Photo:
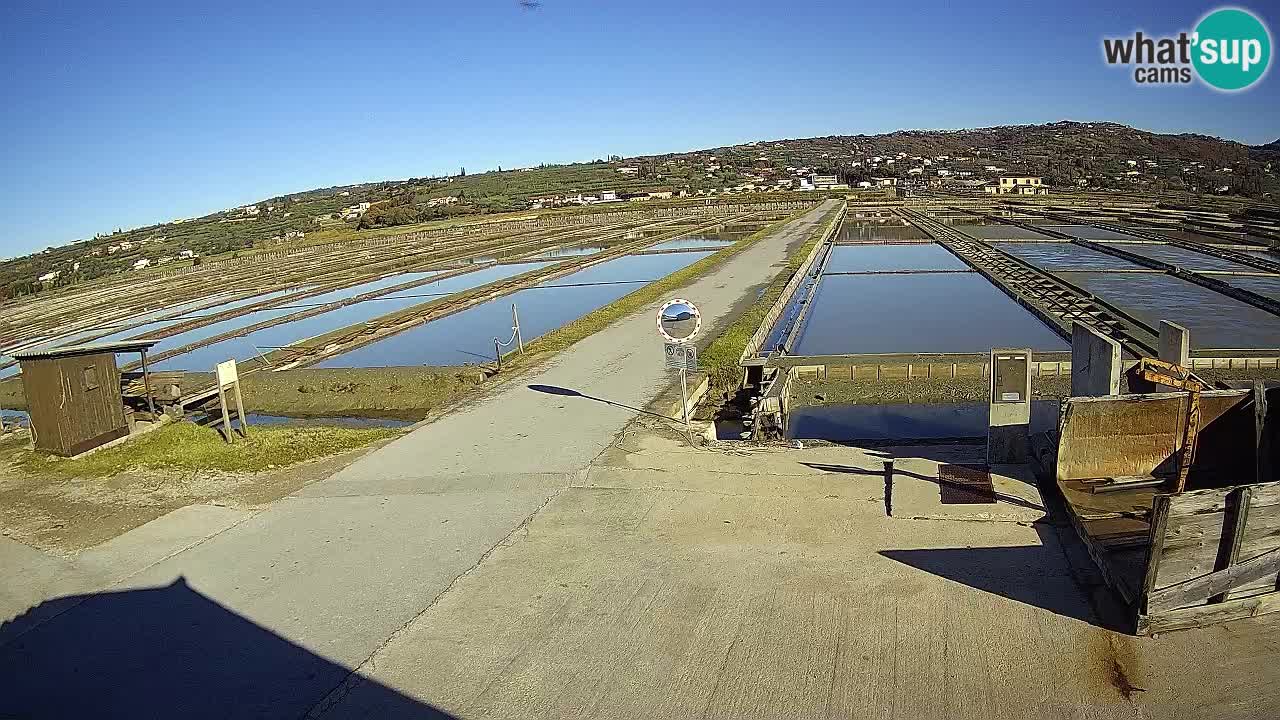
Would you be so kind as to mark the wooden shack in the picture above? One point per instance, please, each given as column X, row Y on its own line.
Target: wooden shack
column 74, row 396
column 1177, row 559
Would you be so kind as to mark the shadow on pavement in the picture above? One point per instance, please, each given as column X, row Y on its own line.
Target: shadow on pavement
column 1036, row 575
column 171, row 652
column 941, row 483
column 566, row 392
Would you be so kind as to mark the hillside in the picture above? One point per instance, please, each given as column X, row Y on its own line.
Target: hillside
column 1068, row 154
column 1266, row 153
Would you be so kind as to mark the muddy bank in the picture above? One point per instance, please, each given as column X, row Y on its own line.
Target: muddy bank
column 888, row 391
column 916, row 390
column 65, row 515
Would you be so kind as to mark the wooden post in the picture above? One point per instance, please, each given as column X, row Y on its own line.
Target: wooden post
column 146, row 384
column 226, row 417
column 888, row 487
column 226, row 377
column 1263, row 444
column 1159, row 521
column 1233, row 522
column 515, row 325
column 244, row 421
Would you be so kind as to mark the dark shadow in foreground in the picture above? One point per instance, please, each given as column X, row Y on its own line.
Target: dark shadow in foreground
column 1037, row 575
column 172, row 652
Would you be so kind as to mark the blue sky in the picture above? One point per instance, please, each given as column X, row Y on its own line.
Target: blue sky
column 120, row 115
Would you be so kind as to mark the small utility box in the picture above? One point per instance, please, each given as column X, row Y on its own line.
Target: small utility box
column 73, row 394
column 1008, row 432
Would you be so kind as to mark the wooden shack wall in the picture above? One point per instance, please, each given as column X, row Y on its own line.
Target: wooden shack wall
column 68, row 416
column 1124, row 435
column 1198, row 533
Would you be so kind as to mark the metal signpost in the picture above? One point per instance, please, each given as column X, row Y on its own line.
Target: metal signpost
column 678, row 322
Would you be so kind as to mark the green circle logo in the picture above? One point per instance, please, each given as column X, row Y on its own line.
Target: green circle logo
column 1232, row 49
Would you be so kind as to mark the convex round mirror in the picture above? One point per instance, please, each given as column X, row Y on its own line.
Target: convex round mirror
column 679, row 320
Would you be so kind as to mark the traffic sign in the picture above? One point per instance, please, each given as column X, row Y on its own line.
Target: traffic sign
column 681, row 357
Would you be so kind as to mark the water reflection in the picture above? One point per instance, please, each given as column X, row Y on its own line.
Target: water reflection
column 1064, row 256
column 1000, row 231
column 1215, row 320
column 927, row 312
column 1182, row 257
column 880, row 258
column 467, row 336
column 905, row 421
column 262, row 341
column 1089, row 232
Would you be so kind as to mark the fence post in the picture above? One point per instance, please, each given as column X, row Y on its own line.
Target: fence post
column 515, row 326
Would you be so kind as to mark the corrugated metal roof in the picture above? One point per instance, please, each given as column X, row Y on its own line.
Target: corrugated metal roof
column 86, row 349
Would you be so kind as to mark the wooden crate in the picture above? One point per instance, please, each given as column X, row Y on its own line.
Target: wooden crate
column 1177, row 560
column 1212, row 555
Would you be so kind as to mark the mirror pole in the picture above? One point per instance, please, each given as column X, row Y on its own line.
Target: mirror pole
column 684, row 405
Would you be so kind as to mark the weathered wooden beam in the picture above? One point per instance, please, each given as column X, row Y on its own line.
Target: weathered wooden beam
column 1233, row 522
column 1263, row 444
column 1206, row 615
column 1200, row 589
column 1159, row 521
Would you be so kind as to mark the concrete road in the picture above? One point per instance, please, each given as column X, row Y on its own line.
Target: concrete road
column 679, row 583
column 267, row 617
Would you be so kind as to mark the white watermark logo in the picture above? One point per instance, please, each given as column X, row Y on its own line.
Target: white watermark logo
column 1229, row 49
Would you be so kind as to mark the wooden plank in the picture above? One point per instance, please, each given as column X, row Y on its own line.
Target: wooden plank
column 1263, row 437
column 1090, row 505
column 1109, row 530
column 1261, row 534
column 1113, row 576
column 1193, row 542
column 1199, row 589
column 1205, row 615
column 1131, row 434
column 1159, row 518
column 1199, row 502
column 1232, row 533
column 1190, row 547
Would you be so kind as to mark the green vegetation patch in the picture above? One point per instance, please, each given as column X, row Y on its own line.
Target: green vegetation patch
column 187, row 446
column 398, row 392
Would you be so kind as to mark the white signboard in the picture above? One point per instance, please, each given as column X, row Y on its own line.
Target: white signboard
column 227, row 373
column 681, row 357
